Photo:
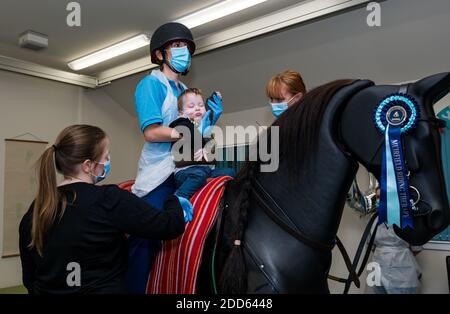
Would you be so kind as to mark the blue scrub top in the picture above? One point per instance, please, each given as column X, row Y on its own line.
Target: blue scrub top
column 150, row 95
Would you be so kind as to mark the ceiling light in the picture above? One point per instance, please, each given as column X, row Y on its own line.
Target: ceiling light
column 216, row 11
column 203, row 16
column 110, row 52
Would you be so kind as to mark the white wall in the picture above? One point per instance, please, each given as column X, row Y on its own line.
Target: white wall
column 261, row 116
column 122, row 128
column 251, row 117
column 44, row 108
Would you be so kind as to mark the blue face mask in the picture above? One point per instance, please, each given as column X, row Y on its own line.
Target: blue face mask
column 106, row 170
column 278, row 108
column 181, row 59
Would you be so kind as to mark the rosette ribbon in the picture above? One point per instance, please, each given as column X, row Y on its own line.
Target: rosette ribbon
column 394, row 116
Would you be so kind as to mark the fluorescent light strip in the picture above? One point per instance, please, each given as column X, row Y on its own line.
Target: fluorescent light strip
column 195, row 19
column 217, row 11
column 110, row 52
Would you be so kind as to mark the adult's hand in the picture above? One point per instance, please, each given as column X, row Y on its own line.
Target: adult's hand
column 188, row 210
column 205, row 125
column 215, row 105
column 198, row 155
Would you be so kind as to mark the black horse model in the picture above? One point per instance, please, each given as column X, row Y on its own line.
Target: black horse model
column 277, row 229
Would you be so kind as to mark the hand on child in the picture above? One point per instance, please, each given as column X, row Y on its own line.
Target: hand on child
column 215, row 104
column 205, row 154
column 201, row 154
column 198, row 155
column 205, row 125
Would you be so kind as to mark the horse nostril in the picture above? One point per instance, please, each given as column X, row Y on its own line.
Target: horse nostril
column 436, row 219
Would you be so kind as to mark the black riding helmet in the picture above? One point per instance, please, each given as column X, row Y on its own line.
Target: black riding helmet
column 168, row 33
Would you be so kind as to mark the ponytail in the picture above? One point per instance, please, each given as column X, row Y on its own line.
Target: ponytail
column 49, row 203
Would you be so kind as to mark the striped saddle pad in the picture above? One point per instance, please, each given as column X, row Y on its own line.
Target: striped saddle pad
column 175, row 268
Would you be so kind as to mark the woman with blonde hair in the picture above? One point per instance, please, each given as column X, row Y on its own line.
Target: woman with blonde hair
column 284, row 90
column 72, row 239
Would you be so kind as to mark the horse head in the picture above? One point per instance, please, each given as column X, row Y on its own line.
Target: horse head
column 421, row 149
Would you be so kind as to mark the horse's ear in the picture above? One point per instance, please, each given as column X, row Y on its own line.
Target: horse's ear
column 433, row 88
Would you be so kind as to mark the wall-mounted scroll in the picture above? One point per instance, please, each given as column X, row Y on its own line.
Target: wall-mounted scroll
column 20, row 188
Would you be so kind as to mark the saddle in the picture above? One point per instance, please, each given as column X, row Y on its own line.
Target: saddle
column 176, row 266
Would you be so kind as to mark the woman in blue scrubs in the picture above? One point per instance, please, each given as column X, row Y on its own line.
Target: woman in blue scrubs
column 171, row 47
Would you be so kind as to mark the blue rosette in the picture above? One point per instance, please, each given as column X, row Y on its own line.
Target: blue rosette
column 405, row 101
column 395, row 116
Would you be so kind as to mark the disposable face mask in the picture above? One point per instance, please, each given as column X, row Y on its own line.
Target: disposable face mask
column 181, row 59
column 106, row 170
column 278, row 108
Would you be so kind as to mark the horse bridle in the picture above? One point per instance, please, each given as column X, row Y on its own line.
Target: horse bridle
column 263, row 198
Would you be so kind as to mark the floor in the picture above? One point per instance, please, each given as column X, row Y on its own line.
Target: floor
column 14, row 290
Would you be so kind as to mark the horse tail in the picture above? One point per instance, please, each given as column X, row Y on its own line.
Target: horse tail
column 233, row 277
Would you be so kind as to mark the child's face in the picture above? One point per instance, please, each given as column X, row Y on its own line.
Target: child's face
column 193, row 106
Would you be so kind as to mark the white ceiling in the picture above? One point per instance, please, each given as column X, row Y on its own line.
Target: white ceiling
column 104, row 22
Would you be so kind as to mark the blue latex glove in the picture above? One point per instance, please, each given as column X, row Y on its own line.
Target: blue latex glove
column 205, row 125
column 188, row 210
column 215, row 105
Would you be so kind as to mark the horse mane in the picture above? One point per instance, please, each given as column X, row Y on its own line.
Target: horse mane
column 300, row 125
column 299, row 130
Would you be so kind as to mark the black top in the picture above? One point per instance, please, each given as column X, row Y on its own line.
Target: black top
column 92, row 233
column 194, row 139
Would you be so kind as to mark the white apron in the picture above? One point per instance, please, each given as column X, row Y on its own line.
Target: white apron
column 156, row 163
column 399, row 268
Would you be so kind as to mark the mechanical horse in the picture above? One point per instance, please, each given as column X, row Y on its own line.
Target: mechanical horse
column 274, row 231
